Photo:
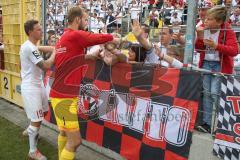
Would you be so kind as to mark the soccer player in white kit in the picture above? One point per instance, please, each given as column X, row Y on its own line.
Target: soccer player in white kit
column 32, row 89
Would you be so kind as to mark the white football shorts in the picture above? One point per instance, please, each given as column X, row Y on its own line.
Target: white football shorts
column 35, row 103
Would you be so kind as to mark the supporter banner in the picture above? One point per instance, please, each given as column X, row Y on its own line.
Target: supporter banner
column 227, row 142
column 141, row 112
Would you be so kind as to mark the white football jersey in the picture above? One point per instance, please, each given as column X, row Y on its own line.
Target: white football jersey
column 31, row 74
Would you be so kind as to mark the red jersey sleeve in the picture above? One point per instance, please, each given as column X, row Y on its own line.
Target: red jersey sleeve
column 87, row 39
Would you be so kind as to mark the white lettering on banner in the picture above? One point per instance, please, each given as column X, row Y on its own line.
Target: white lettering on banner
column 177, row 135
column 158, row 120
column 139, row 114
column 166, row 122
column 123, row 109
column 107, row 109
column 111, row 112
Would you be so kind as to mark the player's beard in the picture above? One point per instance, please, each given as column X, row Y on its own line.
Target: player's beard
column 80, row 27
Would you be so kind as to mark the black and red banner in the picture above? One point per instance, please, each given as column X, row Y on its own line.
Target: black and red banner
column 227, row 140
column 142, row 112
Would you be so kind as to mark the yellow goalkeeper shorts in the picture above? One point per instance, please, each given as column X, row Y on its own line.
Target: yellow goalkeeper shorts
column 66, row 113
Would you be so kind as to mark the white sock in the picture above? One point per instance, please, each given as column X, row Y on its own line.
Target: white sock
column 32, row 133
column 28, row 127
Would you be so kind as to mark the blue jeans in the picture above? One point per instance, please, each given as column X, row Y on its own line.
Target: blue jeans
column 211, row 88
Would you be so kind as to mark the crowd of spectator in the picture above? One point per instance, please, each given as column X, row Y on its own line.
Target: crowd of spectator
column 110, row 13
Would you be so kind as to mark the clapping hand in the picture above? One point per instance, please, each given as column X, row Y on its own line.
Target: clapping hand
column 136, row 29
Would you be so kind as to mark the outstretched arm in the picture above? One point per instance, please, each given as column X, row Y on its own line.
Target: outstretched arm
column 46, row 64
column 113, row 57
column 138, row 33
column 172, row 61
column 46, row 49
column 94, row 54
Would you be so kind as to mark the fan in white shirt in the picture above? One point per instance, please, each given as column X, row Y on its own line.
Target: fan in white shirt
column 175, row 20
column 135, row 10
column 165, row 39
column 98, row 25
column 211, row 54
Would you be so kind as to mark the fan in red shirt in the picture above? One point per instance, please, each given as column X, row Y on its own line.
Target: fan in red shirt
column 217, row 44
column 69, row 67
